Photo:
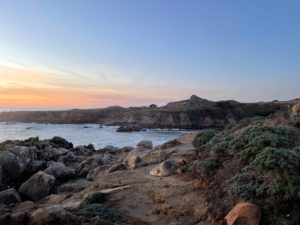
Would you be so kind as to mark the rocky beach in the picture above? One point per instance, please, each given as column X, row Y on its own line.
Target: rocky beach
column 50, row 182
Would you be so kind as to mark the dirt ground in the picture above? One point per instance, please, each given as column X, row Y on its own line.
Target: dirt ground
column 146, row 199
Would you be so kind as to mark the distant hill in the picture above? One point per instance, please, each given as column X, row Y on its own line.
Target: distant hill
column 193, row 102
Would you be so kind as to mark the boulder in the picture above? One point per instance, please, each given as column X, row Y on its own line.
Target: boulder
column 50, row 153
column 73, row 186
column 84, row 150
column 244, row 213
column 19, row 215
column 37, row 186
column 10, row 167
column 33, row 167
column 93, row 173
column 153, row 157
column 164, row 169
column 53, row 215
column 9, row 196
column 144, row 145
column 69, row 157
column 129, row 128
column 60, row 171
column 133, row 159
column 117, row 167
column 110, row 149
column 90, row 163
column 296, row 109
column 170, row 144
column 61, row 142
column 24, row 154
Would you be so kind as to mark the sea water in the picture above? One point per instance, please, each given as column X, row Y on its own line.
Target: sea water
column 83, row 134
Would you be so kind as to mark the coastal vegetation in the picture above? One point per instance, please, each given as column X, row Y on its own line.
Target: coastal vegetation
column 255, row 161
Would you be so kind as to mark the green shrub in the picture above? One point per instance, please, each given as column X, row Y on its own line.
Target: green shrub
column 289, row 133
column 92, row 206
column 207, row 166
column 262, row 136
column 248, row 121
column 274, row 174
column 220, row 147
column 203, row 137
column 295, row 121
column 268, row 140
column 248, row 153
column 243, row 185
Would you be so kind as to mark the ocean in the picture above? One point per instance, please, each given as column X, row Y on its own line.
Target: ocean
column 83, row 134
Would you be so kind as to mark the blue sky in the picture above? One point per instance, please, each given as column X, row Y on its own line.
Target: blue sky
column 133, row 52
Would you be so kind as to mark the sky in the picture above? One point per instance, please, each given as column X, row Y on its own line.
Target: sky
column 63, row 54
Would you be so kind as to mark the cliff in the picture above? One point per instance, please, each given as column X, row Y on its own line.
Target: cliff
column 193, row 113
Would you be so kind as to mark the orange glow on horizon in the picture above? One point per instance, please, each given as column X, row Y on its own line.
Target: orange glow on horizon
column 25, row 87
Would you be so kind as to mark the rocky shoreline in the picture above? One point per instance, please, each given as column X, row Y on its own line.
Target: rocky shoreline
column 50, row 181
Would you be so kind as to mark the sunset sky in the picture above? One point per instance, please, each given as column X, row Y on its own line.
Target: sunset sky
column 63, row 54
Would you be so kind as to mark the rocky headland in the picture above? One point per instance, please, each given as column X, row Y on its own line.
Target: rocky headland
column 193, row 113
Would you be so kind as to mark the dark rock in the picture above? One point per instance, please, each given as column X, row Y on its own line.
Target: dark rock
column 9, row 196
column 31, row 141
column 69, row 157
column 37, row 186
column 19, row 215
column 109, row 148
column 52, row 154
column 117, row 167
column 170, row 144
column 84, row 150
column 10, row 167
column 129, row 128
column 152, row 106
column 60, row 171
column 32, row 168
column 61, row 142
column 73, row 186
column 24, row 154
column 144, row 145
column 90, row 163
column 53, row 215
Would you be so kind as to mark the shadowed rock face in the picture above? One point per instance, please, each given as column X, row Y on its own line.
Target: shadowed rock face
column 194, row 113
